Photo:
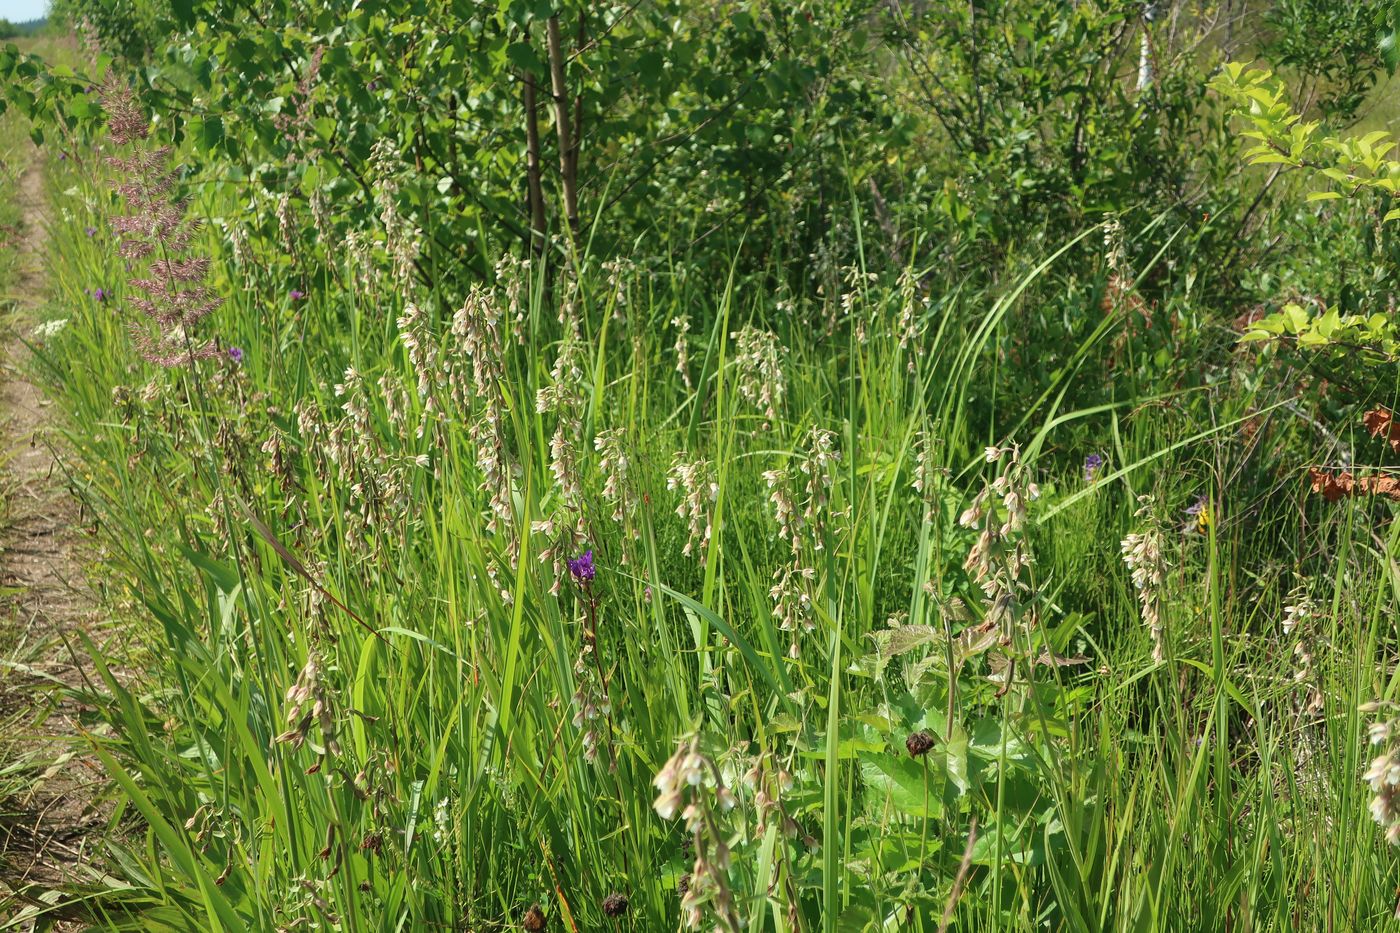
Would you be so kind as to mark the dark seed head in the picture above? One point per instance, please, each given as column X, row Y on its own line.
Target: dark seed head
column 534, row 919
column 615, row 905
column 683, row 884
column 919, row 743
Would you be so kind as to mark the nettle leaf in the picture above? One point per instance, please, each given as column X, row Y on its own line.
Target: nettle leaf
column 992, row 741
column 874, row 720
column 1014, row 840
column 904, row 784
column 955, row 761
column 858, row 918
column 892, row 642
column 852, row 741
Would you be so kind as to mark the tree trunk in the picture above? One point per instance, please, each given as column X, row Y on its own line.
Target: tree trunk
column 568, row 169
column 532, row 167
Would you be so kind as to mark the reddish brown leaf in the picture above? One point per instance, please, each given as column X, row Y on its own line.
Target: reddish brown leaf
column 1381, row 421
column 1386, row 485
column 1334, row 486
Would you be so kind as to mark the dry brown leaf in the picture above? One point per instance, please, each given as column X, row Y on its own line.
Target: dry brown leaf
column 1051, row 659
column 1333, row 486
column 1386, row 484
column 1381, row 421
column 1338, row 485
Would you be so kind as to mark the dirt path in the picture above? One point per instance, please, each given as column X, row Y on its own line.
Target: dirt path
column 44, row 601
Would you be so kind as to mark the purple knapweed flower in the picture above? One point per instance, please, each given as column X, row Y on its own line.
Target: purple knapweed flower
column 1092, row 464
column 90, row 231
column 100, row 294
column 63, row 157
column 235, row 354
column 582, row 568
column 296, row 295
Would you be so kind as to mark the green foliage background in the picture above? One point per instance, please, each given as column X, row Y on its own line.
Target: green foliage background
column 965, row 226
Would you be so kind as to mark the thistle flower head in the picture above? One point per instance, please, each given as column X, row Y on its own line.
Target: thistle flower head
column 615, row 904
column 919, row 743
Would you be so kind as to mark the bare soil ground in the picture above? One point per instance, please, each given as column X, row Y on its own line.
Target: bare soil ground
column 50, row 786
